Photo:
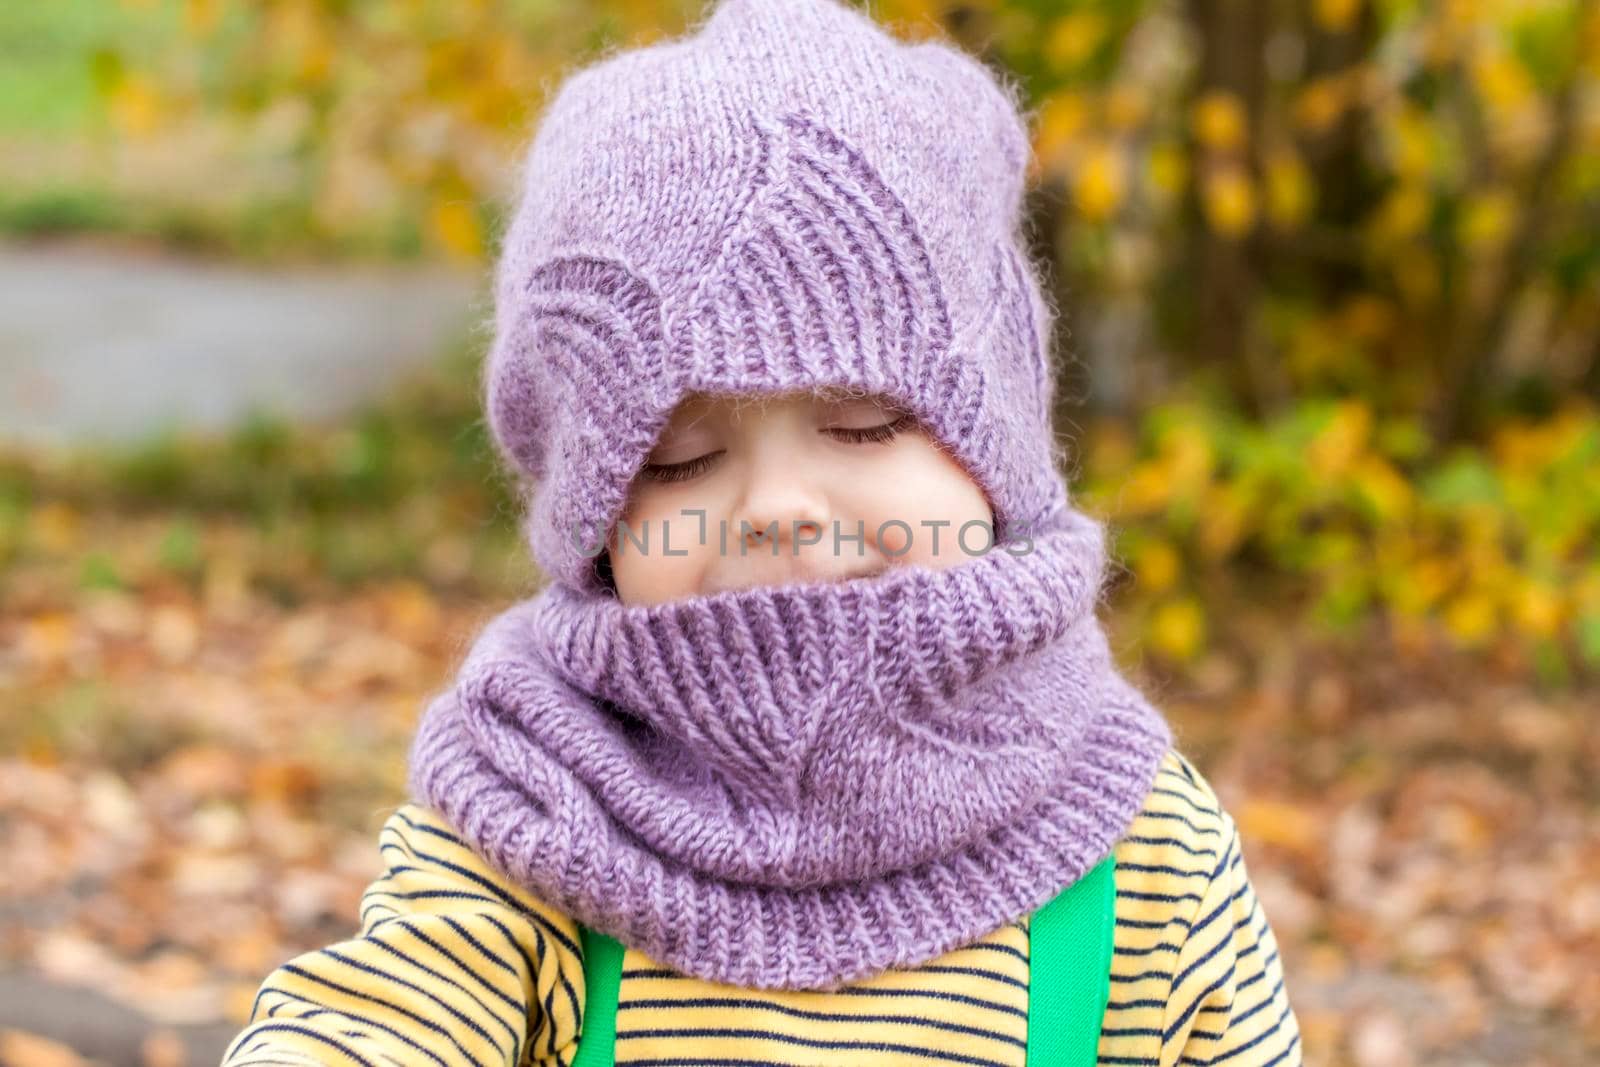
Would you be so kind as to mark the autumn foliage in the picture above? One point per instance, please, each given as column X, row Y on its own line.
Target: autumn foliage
column 1327, row 273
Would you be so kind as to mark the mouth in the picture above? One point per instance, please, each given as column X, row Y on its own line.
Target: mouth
column 833, row 579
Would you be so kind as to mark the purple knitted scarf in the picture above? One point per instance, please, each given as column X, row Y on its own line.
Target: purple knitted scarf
column 800, row 786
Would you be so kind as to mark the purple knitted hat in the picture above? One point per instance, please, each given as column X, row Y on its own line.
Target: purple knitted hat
column 788, row 199
column 790, row 786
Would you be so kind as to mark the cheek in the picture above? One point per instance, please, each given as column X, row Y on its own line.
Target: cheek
column 919, row 485
column 651, row 523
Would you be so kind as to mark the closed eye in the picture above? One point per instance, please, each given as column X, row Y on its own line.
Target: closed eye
column 678, row 472
column 874, row 434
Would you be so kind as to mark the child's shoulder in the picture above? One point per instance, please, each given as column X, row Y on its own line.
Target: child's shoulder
column 1182, row 794
column 422, row 849
column 1182, row 829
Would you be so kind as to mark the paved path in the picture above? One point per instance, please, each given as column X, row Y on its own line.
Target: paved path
column 102, row 343
column 97, row 1027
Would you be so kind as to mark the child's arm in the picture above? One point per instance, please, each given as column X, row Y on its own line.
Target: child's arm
column 1227, row 1002
column 453, row 965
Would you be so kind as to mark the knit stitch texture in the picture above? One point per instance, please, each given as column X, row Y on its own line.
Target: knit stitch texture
column 786, row 200
column 801, row 785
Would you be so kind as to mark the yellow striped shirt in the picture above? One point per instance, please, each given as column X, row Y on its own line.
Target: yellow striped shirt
column 456, row 965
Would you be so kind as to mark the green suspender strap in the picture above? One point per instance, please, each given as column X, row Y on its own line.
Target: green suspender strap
column 602, row 976
column 1070, row 977
column 1069, row 969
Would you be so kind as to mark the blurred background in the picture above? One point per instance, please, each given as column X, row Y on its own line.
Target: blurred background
column 1329, row 280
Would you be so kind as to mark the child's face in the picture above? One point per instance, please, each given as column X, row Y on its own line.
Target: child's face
column 806, row 461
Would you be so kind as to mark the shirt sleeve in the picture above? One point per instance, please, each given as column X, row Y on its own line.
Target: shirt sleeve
column 1227, row 1002
column 453, row 965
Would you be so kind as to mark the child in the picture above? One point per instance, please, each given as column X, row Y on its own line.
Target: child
column 788, row 763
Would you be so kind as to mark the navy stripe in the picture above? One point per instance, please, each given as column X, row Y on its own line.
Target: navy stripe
column 1152, row 924
column 315, row 1035
column 1175, row 817
column 1160, row 868
column 937, row 994
column 473, row 876
column 1277, row 1028
column 319, row 1010
column 751, row 1004
column 1164, row 898
column 467, row 1020
column 1226, row 941
column 514, row 1033
column 397, row 1009
column 1165, row 946
column 1193, row 805
column 1222, row 980
column 522, row 977
column 1127, row 1005
column 976, row 972
column 802, row 1042
column 1172, row 842
column 1009, row 950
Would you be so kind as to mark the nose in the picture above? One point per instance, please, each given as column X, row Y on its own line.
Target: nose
column 779, row 500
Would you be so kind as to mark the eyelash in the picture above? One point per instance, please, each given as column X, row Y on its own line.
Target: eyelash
column 678, row 472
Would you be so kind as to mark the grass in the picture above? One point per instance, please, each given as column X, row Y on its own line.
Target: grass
column 410, row 486
column 59, row 175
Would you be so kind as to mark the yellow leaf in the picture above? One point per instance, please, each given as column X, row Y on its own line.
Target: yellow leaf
column 1099, row 183
column 1062, row 119
column 1189, row 450
column 1411, row 140
column 200, row 16
column 316, row 59
column 1126, row 106
column 1471, row 617
column 1230, row 201
column 1332, row 452
column 1166, row 170
column 1389, row 494
column 1461, row 14
column 1219, row 120
column 1539, row 609
column 1178, row 628
column 136, row 106
column 1501, row 79
column 1336, row 16
column 455, row 224
column 1073, row 38
column 1157, row 566
column 1289, row 189
column 56, row 528
column 409, row 607
column 1487, row 219
column 1320, row 103
column 1420, row 583
column 1403, row 212
column 1222, row 521
column 1146, row 490
column 1286, row 825
column 47, row 638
